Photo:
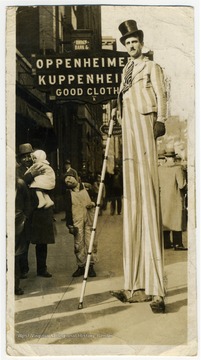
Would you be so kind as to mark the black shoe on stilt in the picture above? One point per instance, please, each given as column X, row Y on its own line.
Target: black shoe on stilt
column 157, row 305
column 120, row 295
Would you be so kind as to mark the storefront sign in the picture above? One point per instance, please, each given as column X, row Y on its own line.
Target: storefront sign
column 116, row 130
column 81, row 45
column 80, row 75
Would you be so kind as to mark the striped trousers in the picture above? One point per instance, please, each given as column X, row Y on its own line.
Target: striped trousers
column 142, row 225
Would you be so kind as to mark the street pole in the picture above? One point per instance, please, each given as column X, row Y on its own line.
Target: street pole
column 93, row 233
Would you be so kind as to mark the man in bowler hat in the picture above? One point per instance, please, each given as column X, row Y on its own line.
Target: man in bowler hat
column 142, row 106
column 24, row 162
column 39, row 226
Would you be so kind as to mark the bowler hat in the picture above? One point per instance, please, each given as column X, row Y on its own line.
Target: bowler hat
column 25, row 149
column 170, row 154
column 129, row 28
column 161, row 154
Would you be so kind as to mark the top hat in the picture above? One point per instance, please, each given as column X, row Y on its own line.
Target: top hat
column 129, row 28
column 25, row 149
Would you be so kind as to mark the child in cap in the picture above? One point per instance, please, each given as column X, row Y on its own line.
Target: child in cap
column 79, row 221
column 44, row 182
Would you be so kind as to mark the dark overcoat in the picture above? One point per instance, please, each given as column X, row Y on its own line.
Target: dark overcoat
column 40, row 222
column 22, row 212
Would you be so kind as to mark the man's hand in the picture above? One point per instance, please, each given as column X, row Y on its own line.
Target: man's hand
column 159, row 129
column 91, row 205
column 37, row 170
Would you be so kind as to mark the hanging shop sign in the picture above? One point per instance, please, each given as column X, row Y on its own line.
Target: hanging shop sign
column 81, row 44
column 116, row 131
column 80, row 75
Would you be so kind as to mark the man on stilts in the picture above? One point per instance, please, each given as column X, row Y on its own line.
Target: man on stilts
column 142, row 105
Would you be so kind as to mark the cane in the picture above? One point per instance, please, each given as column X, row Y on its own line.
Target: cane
column 93, row 233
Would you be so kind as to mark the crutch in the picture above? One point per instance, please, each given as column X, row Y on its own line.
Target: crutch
column 93, row 233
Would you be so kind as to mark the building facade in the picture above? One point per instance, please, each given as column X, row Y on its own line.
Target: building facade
column 65, row 130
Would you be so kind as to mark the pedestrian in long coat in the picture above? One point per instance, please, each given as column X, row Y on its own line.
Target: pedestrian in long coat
column 172, row 183
column 116, row 191
column 142, row 105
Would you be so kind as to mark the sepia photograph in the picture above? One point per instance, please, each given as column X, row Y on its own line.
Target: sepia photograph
column 101, row 242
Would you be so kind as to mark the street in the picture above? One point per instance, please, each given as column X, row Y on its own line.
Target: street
column 48, row 312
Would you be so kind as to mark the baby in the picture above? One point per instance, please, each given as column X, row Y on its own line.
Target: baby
column 44, row 182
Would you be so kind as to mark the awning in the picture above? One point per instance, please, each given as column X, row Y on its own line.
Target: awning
column 28, row 111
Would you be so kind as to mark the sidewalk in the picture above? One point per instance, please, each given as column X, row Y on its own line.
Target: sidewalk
column 48, row 312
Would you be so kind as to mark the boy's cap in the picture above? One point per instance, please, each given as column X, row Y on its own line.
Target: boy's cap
column 71, row 173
